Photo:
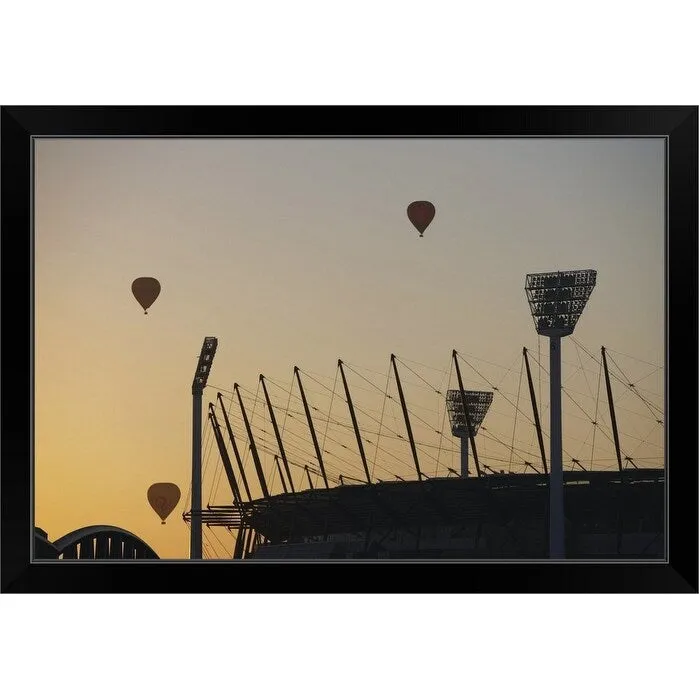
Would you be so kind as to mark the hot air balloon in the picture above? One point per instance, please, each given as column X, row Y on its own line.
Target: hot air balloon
column 146, row 290
column 163, row 498
column 421, row 214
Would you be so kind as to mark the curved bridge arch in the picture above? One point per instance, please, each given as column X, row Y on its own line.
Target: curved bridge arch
column 102, row 541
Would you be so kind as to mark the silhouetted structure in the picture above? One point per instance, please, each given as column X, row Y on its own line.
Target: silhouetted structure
column 463, row 425
column 588, row 514
column 96, row 542
column 608, row 515
column 201, row 375
column 43, row 548
column 556, row 301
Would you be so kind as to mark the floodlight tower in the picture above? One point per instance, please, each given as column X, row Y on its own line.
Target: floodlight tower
column 477, row 403
column 206, row 357
column 557, row 300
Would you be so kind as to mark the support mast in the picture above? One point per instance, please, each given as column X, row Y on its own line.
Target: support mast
column 354, row 422
column 281, row 475
column 308, row 475
column 235, row 447
column 282, row 453
column 466, row 415
column 224, row 455
column 310, row 426
column 612, row 413
column 406, row 417
column 253, row 447
column 535, row 410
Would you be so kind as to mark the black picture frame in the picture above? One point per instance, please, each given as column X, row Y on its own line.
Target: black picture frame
column 679, row 573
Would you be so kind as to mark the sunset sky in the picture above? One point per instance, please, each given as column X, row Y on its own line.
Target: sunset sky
column 299, row 252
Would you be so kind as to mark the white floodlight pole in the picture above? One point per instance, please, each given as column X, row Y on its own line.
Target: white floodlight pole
column 464, row 455
column 201, row 375
column 557, row 516
column 557, row 300
column 195, row 543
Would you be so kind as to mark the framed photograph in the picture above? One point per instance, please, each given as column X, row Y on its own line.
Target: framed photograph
column 245, row 348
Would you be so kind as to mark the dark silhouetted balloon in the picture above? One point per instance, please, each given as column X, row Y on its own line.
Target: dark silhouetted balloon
column 146, row 290
column 421, row 214
column 163, row 498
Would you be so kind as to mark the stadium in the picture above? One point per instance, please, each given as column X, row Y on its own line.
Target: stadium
column 367, row 469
